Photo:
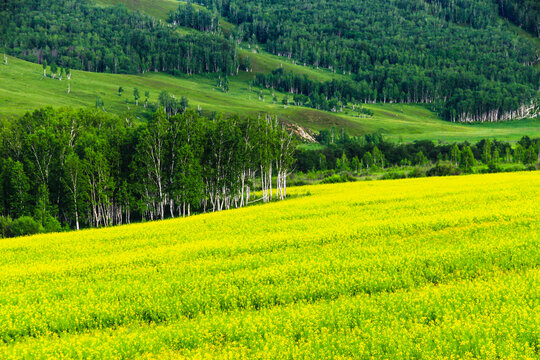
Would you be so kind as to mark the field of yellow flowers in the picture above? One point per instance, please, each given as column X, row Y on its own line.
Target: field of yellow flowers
column 417, row 268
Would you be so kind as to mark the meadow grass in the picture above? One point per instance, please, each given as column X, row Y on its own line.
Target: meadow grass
column 415, row 268
column 157, row 8
column 24, row 89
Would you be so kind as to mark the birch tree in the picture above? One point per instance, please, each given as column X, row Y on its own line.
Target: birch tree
column 152, row 152
column 73, row 180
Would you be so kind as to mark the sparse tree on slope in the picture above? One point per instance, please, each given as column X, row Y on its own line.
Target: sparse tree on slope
column 136, row 96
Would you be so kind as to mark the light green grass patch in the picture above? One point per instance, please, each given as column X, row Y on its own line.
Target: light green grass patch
column 24, row 89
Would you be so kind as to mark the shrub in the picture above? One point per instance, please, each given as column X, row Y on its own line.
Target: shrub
column 50, row 224
column 332, row 179
column 443, row 170
column 337, row 178
column 492, row 168
column 393, row 175
column 514, row 168
column 25, row 225
column 5, row 225
column 416, row 172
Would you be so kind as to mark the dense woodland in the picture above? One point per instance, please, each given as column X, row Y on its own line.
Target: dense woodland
column 523, row 13
column 198, row 18
column 82, row 168
column 456, row 54
column 329, row 96
column 80, row 35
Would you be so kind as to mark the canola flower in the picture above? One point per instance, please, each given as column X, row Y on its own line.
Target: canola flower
column 418, row 268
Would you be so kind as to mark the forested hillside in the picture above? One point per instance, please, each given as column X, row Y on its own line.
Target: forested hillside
column 461, row 58
column 79, row 35
column 524, row 13
column 457, row 53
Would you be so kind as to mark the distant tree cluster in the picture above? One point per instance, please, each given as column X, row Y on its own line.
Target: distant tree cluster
column 330, row 95
column 524, row 13
column 196, row 18
column 342, row 152
column 80, row 35
column 82, row 168
column 453, row 53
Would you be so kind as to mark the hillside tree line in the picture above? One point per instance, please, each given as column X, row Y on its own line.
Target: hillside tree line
column 455, row 54
column 84, row 168
column 342, row 152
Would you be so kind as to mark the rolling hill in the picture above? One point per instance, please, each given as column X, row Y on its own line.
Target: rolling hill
column 24, row 89
column 179, row 120
column 388, row 269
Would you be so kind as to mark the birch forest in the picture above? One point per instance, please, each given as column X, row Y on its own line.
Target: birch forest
column 84, row 168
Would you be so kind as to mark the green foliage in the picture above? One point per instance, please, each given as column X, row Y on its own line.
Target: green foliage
column 99, row 103
column 51, row 224
column 5, row 226
column 467, row 160
column 16, row 186
column 519, row 153
column 367, row 160
column 171, row 105
column 319, row 95
column 530, row 156
column 195, row 17
column 443, row 170
column 223, row 83
column 486, row 152
column 24, row 226
column 159, row 9
column 492, row 168
column 338, row 178
column 420, row 158
column 421, row 153
column 80, row 35
column 524, row 13
column 136, row 95
column 25, row 91
column 322, row 162
column 343, row 163
column 355, row 164
column 455, row 154
column 452, row 53
column 416, row 172
column 88, row 169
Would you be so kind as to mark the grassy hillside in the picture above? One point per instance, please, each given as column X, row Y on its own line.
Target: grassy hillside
column 24, row 88
column 157, row 8
column 263, row 62
column 389, row 269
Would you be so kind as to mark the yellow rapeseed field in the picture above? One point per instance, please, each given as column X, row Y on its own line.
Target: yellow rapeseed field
column 425, row 268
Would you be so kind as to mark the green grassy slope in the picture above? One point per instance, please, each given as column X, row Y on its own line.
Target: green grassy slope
column 24, row 88
column 263, row 62
column 382, row 269
column 406, row 121
column 157, row 8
